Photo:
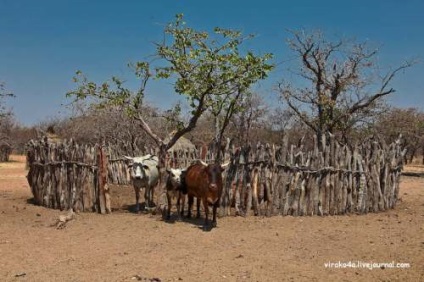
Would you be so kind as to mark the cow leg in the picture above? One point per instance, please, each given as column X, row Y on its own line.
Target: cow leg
column 183, row 200
column 215, row 207
column 151, row 197
column 190, row 205
column 147, row 192
column 205, row 206
column 198, row 207
column 168, row 214
column 146, row 198
column 137, row 199
column 180, row 204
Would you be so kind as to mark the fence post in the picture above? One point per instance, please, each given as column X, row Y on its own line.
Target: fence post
column 104, row 195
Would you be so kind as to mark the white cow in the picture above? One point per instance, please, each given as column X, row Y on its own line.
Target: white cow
column 144, row 174
column 173, row 189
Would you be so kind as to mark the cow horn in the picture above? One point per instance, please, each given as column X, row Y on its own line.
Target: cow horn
column 148, row 156
column 129, row 158
column 203, row 163
column 223, row 166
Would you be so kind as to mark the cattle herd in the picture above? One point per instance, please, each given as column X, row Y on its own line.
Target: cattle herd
column 200, row 180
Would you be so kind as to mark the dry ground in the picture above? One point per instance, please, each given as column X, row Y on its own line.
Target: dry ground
column 129, row 247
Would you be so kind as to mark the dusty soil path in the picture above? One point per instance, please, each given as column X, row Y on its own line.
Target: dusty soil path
column 128, row 247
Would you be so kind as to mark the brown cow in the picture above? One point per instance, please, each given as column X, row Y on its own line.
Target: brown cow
column 204, row 182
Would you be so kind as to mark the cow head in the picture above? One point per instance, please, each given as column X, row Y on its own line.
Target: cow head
column 139, row 166
column 174, row 176
column 139, row 170
column 214, row 173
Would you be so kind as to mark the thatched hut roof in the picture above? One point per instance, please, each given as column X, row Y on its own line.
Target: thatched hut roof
column 53, row 138
column 182, row 144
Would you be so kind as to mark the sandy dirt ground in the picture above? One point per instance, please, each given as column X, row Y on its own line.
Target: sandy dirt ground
column 125, row 246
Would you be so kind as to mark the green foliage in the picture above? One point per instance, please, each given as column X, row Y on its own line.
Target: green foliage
column 110, row 93
column 209, row 71
column 205, row 66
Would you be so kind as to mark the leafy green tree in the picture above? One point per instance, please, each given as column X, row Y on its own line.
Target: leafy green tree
column 209, row 71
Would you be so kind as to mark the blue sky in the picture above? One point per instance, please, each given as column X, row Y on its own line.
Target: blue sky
column 44, row 42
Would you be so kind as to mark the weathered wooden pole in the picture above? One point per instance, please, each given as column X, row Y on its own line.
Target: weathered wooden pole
column 103, row 187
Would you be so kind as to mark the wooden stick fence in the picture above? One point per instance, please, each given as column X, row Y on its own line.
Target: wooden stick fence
column 68, row 176
column 270, row 179
column 336, row 180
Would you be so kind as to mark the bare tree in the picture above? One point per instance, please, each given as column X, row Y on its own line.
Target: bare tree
column 113, row 126
column 339, row 83
column 6, row 122
column 408, row 122
column 3, row 95
column 251, row 117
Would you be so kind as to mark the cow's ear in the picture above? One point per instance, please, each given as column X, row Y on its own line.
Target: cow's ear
column 168, row 170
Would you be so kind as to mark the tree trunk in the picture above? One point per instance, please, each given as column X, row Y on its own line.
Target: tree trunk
column 218, row 141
